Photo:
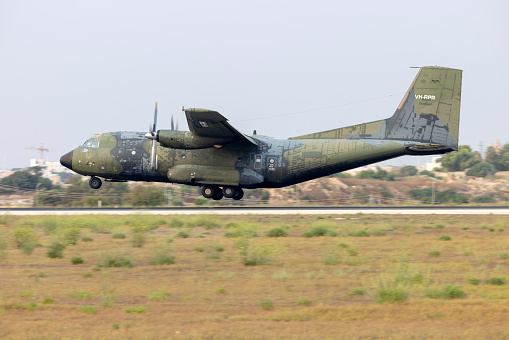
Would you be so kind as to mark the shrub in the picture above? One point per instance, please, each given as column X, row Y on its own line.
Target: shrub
column 243, row 230
column 114, row 260
column 26, row 239
column 137, row 310
column 359, row 233
column 183, row 234
column 496, row 281
column 320, row 229
column 267, row 304
column 277, row 232
column 47, row 301
column 176, row 222
column 391, row 295
column 198, row 249
column 304, row 302
column 71, row 235
column 118, row 236
column 161, row 255
column 200, row 201
column 208, row 222
column 445, row 238
column 434, row 253
column 473, row 281
column 88, row 309
column 221, row 290
column 56, row 250
column 283, row 276
column 87, row 239
column 256, row 253
column 77, row 260
column 332, row 255
column 447, row 292
column 138, row 240
column 160, row 295
column 356, row 291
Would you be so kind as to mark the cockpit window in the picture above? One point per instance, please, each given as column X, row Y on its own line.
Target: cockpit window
column 95, row 144
column 89, row 144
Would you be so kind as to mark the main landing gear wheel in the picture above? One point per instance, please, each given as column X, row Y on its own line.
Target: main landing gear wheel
column 95, row 182
column 230, row 191
column 210, row 191
column 239, row 194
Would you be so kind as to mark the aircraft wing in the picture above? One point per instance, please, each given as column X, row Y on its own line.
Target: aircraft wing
column 211, row 124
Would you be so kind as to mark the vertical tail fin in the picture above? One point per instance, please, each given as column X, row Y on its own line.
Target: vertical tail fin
column 426, row 121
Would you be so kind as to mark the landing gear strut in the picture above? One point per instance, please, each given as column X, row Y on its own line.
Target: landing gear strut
column 216, row 193
column 95, row 182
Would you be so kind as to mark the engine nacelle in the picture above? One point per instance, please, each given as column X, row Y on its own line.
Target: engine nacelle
column 187, row 140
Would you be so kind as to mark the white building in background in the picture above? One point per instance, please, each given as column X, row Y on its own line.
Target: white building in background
column 50, row 170
column 433, row 164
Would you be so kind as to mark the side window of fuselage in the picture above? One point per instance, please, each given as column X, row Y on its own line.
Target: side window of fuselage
column 258, row 162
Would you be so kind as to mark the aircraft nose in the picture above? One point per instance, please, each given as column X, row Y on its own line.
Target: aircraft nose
column 66, row 160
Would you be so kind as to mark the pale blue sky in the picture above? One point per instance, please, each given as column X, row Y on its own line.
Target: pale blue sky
column 70, row 69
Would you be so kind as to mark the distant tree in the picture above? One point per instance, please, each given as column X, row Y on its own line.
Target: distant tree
column 26, row 179
column 144, row 196
column 427, row 173
column 482, row 169
column 408, row 170
column 441, row 197
column 500, row 159
column 485, row 199
column 460, row 160
column 379, row 174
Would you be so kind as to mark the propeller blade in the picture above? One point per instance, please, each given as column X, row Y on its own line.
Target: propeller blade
column 155, row 121
column 172, row 128
column 153, row 130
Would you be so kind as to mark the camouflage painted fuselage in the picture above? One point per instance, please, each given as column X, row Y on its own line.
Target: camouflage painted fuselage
column 275, row 163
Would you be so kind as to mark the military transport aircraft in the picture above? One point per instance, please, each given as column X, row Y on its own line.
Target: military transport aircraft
column 223, row 161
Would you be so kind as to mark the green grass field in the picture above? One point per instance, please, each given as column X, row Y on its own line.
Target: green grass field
column 208, row 277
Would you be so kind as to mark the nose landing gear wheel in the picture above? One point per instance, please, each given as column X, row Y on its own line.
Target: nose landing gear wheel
column 95, row 182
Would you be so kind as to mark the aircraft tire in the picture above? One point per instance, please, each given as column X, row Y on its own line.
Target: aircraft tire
column 230, row 191
column 239, row 194
column 218, row 195
column 208, row 191
column 95, row 182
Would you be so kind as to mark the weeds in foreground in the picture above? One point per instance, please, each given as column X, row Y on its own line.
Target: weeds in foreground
column 267, row 304
column 55, row 250
column 161, row 254
column 138, row 240
column 159, row 295
column 257, row 253
column 136, row 310
column 79, row 295
column 114, row 259
column 26, row 239
column 88, row 310
column 447, row 292
column 356, row 291
column 303, row 302
column 496, row 281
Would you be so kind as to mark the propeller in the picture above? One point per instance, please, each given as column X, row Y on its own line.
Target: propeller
column 152, row 135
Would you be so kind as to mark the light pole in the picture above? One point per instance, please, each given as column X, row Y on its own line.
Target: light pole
column 36, row 202
column 433, row 192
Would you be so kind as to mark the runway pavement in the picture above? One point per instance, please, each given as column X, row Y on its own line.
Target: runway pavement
column 416, row 210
